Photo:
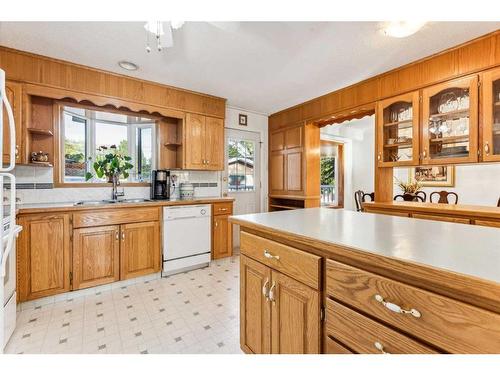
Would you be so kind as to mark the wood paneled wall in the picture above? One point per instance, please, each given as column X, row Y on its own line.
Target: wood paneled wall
column 476, row 55
column 30, row 68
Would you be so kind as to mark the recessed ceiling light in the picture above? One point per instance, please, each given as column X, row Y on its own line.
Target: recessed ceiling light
column 401, row 29
column 127, row 65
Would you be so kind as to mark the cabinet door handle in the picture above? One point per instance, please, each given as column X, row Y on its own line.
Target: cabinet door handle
column 116, row 235
column 17, row 151
column 271, row 292
column 379, row 157
column 123, row 236
column 395, row 308
column 486, row 148
column 268, row 255
column 216, row 224
column 265, row 291
column 424, row 154
column 380, row 347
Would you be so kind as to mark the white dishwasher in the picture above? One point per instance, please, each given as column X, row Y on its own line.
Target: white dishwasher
column 186, row 237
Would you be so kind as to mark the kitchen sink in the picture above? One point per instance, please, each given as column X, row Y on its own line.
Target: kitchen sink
column 110, row 201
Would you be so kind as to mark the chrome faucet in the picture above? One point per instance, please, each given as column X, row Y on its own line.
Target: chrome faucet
column 114, row 192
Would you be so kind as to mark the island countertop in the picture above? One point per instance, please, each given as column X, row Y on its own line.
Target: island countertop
column 458, row 248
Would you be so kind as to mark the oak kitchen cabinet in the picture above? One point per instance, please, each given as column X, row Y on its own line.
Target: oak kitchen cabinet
column 74, row 250
column 204, row 142
column 222, row 231
column 43, row 255
column 280, row 298
column 14, row 92
column 491, row 115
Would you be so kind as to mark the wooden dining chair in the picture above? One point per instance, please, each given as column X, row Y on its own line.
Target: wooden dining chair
column 411, row 198
column 443, row 196
column 360, row 197
column 498, row 203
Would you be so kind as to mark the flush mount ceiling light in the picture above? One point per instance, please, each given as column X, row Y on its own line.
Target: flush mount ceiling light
column 401, row 29
column 162, row 32
column 127, row 65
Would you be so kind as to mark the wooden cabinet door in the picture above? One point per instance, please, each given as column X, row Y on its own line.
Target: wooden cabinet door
column 255, row 309
column 294, row 172
column 398, row 125
column 222, row 237
column 277, row 172
column 293, row 137
column 277, row 141
column 295, row 317
column 214, row 144
column 13, row 91
column 490, row 144
column 194, row 141
column 139, row 249
column 450, row 122
column 96, row 256
column 43, row 256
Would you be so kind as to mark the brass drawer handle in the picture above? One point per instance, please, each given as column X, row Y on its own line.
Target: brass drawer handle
column 265, row 291
column 380, row 347
column 116, row 235
column 395, row 308
column 487, row 148
column 123, row 236
column 222, row 209
column 268, row 255
column 271, row 292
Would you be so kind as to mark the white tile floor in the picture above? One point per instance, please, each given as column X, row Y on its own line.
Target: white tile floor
column 193, row 312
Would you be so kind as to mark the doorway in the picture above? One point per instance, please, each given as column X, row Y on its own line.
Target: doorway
column 332, row 173
column 242, row 173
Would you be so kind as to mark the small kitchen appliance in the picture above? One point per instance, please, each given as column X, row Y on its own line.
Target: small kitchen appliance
column 160, row 184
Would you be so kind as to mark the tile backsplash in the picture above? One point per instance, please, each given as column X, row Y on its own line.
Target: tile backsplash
column 35, row 185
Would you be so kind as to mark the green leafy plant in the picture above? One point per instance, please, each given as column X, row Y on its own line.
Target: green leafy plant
column 409, row 187
column 112, row 164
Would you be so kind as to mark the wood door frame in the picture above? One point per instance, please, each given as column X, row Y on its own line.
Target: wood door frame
column 339, row 170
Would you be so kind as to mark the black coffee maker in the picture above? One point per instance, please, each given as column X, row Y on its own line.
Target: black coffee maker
column 160, row 184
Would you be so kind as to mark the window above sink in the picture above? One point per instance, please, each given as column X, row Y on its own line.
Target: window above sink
column 85, row 130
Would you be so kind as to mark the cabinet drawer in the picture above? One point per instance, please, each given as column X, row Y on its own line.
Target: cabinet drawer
column 295, row 263
column 392, row 213
column 115, row 216
column 333, row 347
column 362, row 334
column 454, row 326
column 488, row 223
column 442, row 218
column 222, row 208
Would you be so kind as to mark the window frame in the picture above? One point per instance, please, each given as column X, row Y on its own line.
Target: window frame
column 59, row 138
column 255, row 145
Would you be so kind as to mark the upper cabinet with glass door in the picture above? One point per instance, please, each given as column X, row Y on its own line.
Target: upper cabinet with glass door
column 449, row 122
column 491, row 115
column 398, row 130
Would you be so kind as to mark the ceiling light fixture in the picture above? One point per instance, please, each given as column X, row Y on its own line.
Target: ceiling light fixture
column 401, row 29
column 163, row 32
column 127, row 65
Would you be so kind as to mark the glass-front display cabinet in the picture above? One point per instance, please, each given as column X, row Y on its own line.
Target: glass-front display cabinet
column 491, row 115
column 449, row 122
column 398, row 131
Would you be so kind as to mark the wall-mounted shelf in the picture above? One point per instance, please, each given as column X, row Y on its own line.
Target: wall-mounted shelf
column 37, row 131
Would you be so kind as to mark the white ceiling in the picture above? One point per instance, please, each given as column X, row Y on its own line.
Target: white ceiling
column 258, row 66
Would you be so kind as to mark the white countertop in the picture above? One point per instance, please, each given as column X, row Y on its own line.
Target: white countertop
column 467, row 249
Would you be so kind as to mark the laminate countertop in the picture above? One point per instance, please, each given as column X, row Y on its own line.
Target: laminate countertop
column 460, row 248
column 30, row 208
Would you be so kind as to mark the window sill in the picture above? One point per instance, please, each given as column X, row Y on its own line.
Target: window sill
column 97, row 184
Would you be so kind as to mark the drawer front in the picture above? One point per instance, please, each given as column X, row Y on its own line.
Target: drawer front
column 115, row 216
column 451, row 325
column 391, row 213
column 366, row 336
column 333, row 347
column 488, row 223
column 459, row 220
column 223, row 208
column 297, row 264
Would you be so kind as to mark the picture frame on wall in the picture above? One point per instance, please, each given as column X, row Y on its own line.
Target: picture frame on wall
column 242, row 119
column 433, row 175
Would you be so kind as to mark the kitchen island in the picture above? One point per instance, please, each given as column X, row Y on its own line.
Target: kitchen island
column 336, row 281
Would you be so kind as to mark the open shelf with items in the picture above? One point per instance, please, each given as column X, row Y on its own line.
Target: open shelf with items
column 397, row 130
column 170, row 147
column 449, row 122
column 491, row 115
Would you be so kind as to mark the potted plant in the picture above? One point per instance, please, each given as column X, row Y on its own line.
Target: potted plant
column 113, row 165
column 410, row 190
